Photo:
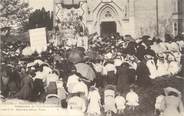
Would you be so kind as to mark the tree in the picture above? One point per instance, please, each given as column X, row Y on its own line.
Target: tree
column 13, row 14
column 41, row 18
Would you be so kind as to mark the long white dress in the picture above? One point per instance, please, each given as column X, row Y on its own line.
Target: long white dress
column 152, row 68
column 109, row 101
column 94, row 103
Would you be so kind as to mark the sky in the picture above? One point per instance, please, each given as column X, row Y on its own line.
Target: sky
column 38, row 4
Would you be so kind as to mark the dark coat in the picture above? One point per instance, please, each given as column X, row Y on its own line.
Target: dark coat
column 141, row 51
column 132, row 76
column 38, row 89
column 143, row 74
column 26, row 88
column 14, row 83
column 123, row 79
column 111, row 78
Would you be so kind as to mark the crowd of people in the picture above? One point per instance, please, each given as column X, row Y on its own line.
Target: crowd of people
column 103, row 77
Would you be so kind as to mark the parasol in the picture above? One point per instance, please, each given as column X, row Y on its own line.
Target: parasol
column 86, row 71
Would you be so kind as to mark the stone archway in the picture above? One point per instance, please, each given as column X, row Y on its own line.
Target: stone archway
column 108, row 15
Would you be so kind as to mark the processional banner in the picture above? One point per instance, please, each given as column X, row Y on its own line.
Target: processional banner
column 38, row 39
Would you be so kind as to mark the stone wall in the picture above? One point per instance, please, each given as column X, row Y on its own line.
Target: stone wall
column 145, row 17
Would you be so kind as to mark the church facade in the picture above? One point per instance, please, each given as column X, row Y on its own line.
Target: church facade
column 133, row 17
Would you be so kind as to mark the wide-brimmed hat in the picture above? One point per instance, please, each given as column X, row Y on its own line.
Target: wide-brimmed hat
column 30, row 64
column 148, row 57
column 170, row 57
column 132, row 58
column 161, row 55
column 167, row 90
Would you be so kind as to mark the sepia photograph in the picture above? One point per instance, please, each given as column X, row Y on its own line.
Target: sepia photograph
column 92, row 57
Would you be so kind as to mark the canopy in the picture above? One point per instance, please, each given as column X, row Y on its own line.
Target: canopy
column 86, row 71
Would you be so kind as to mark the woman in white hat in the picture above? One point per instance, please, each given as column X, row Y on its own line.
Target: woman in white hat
column 151, row 66
column 173, row 65
column 162, row 65
column 172, row 104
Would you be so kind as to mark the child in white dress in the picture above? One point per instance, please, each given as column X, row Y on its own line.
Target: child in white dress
column 151, row 66
column 132, row 99
column 94, row 102
column 120, row 103
column 109, row 100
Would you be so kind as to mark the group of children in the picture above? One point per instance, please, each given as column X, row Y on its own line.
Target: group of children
column 93, row 104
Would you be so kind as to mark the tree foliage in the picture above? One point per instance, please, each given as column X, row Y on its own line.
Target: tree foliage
column 41, row 18
column 13, row 14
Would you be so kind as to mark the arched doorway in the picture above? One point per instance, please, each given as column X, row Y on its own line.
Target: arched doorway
column 108, row 27
column 108, row 20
